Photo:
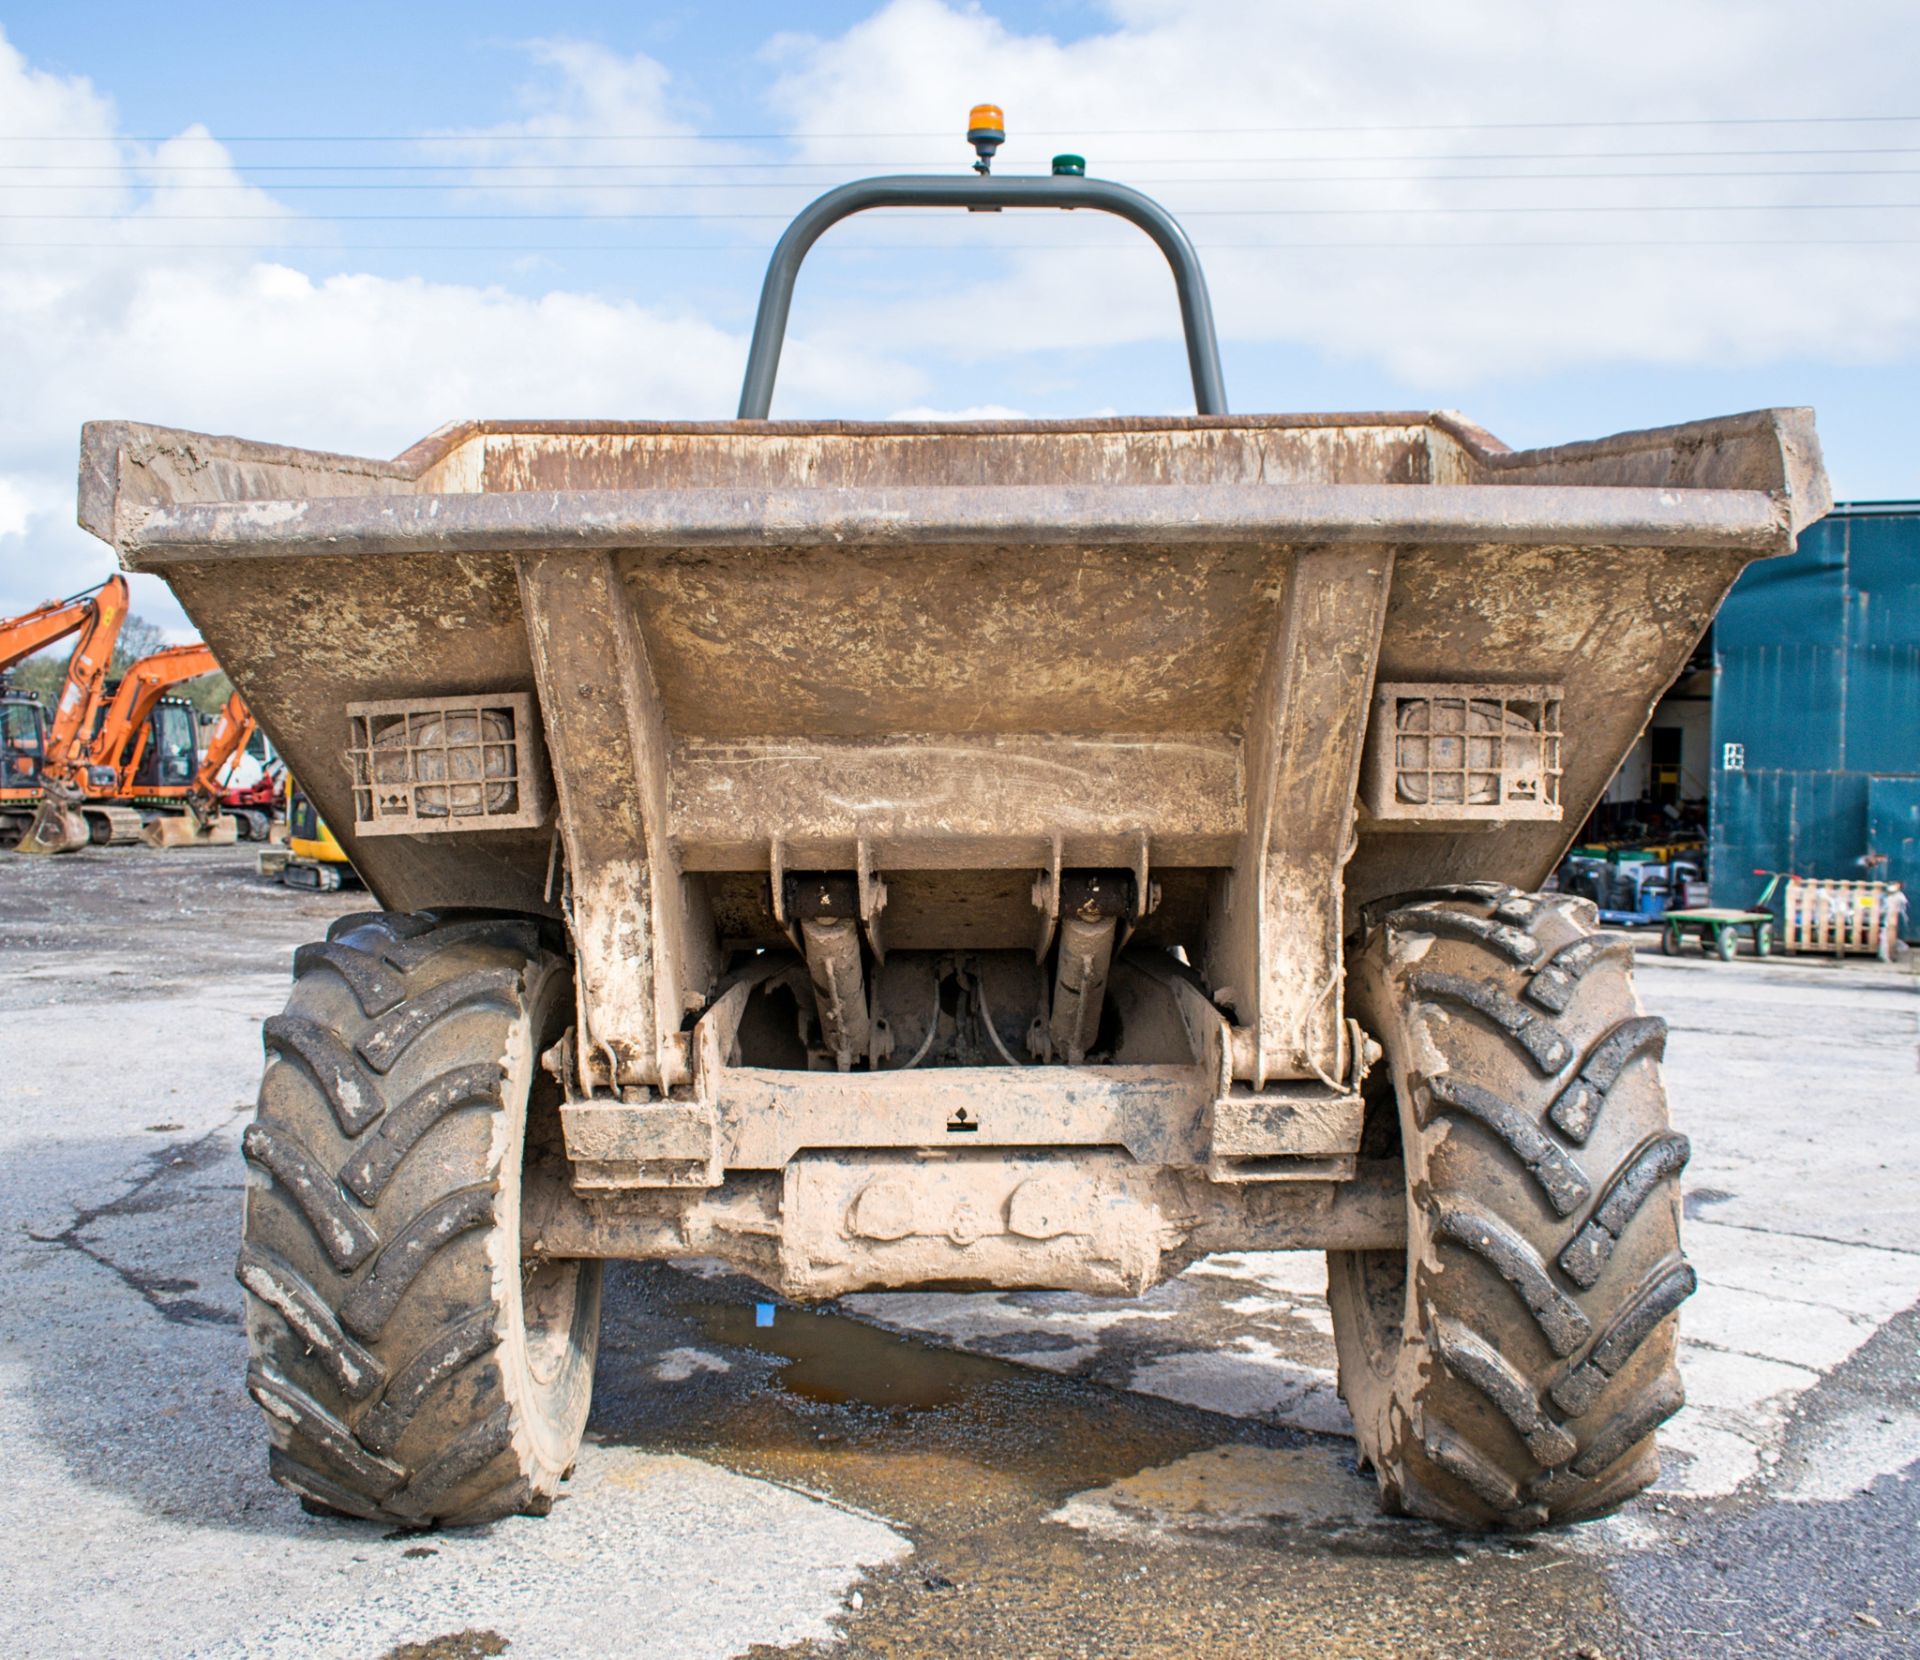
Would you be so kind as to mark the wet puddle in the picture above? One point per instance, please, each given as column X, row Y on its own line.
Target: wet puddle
column 836, row 1361
column 1058, row 1516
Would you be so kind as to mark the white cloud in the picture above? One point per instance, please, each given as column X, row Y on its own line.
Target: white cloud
column 972, row 412
column 13, row 508
column 606, row 133
column 588, row 121
column 237, row 341
column 1443, row 317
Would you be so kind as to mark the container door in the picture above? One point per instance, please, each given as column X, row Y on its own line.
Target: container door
column 1893, row 829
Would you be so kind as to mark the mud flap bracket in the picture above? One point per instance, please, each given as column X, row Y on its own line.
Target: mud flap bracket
column 623, row 1144
column 1304, row 1132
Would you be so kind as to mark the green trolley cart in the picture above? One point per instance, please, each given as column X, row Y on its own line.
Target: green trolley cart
column 1719, row 930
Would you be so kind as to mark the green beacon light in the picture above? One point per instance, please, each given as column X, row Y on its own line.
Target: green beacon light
column 1069, row 167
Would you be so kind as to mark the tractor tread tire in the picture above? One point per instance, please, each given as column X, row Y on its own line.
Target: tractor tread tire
column 387, row 1313
column 1509, row 1369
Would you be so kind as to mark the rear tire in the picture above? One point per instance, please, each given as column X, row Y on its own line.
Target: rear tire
column 1508, row 1368
column 412, row 1368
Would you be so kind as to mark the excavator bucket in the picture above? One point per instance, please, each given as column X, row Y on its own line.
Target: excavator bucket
column 62, row 827
column 56, row 828
column 185, row 830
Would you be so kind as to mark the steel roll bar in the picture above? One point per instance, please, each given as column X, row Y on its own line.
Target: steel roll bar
column 907, row 190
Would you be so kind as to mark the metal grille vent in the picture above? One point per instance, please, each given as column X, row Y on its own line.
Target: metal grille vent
column 429, row 765
column 1456, row 753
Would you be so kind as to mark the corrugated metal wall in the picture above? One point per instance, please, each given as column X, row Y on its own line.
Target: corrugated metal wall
column 1817, row 680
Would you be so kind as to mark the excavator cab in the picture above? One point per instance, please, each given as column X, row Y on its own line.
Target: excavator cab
column 23, row 738
column 170, row 747
column 23, row 748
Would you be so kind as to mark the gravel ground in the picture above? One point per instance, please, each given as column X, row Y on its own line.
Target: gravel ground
column 903, row 1475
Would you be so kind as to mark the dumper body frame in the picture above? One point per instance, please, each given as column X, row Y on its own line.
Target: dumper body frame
column 961, row 834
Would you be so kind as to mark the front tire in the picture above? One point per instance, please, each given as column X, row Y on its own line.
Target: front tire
column 412, row 1368
column 1508, row 1369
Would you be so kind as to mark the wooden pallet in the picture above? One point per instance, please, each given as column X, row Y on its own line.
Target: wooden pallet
column 1833, row 917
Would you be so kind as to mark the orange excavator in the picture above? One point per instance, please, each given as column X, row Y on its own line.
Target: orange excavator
column 203, row 822
column 144, row 753
column 31, row 738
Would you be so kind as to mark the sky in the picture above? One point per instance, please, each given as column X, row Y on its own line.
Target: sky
column 345, row 226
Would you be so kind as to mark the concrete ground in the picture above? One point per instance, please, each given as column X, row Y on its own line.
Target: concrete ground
column 1026, row 1475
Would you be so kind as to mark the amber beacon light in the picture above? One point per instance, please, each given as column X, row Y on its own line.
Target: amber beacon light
column 986, row 132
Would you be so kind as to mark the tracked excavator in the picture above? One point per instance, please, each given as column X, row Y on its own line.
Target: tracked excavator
column 143, row 761
column 315, row 857
column 23, row 745
column 31, row 736
column 205, row 820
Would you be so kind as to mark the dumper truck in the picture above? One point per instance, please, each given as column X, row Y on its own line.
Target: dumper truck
column 1010, row 853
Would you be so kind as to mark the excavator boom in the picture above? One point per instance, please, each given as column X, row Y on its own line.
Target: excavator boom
column 35, row 630
column 121, row 739
column 229, row 736
column 97, row 616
